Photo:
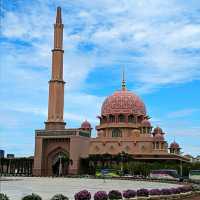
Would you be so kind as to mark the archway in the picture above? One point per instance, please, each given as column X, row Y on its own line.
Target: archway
column 60, row 163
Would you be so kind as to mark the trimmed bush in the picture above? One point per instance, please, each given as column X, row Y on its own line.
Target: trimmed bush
column 129, row 194
column 114, row 194
column 59, row 197
column 142, row 192
column 175, row 191
column 3, row 196
column 185, row 188
column 100, row 195
column 82, row 195
column 166, row 191
column 195, row 187
column 154, row 192
column 32, row 197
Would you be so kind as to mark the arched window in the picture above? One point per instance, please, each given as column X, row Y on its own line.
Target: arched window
column 139, row 119
column 116, row 132
column 154, row 145
column 149, row 130
column 111, row 118
column 104, row 119
column 131, row 119
column 121, row 118
column 157, row 145
column 127, row 148
column 96, row 148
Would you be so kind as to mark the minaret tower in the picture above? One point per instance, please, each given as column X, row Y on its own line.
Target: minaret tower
column 56, row 84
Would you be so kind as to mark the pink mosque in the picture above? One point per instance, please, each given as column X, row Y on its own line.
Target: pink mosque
column 124, row 126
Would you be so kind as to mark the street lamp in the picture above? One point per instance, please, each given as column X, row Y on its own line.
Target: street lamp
column 122, row 159
column 181, row 168
column 60, row 165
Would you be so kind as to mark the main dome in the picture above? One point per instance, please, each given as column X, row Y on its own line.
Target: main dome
column 123, row 102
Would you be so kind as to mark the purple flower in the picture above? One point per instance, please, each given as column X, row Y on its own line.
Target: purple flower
column 129, row 194
column 166, row 191
column 142, row 192
column 82, row 195
column 175, row 190
column 185, row 188
column 100, row 195
column 115, row 194
column 155, row 192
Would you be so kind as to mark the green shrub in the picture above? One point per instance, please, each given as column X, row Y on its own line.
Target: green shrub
column 32, row 197
column 3, row 196
column 59, row 197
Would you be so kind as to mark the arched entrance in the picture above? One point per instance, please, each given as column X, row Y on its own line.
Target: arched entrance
column 60, row 163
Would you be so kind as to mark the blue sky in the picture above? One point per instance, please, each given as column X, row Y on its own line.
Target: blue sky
column 158, row 43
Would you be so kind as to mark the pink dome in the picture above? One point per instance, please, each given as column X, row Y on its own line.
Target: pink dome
column 146, row 123
column 157, row 130
column 86, row 125
column 123, row 102
column 174, row 145
column 159, row 137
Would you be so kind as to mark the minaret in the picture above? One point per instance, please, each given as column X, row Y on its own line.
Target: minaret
column 123, row 81
column 56, row 84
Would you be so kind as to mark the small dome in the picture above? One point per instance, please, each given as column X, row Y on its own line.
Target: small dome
column 174, row 145
column 159, row 137
column 86, row 125
column 146, row 123
column 157, row 130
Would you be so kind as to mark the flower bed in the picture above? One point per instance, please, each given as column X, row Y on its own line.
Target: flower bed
column 153, row 194
column 114, row 194
column 142, row 192
column 32, row 197
column 128, row 194
column 59, row 197
column 101, row 195
column 82, row 195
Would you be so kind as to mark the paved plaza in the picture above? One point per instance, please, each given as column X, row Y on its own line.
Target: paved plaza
column 16, row 188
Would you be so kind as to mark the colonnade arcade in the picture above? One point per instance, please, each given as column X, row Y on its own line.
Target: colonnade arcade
column 117, row 118
column 159, row 145
column 16, row 166
column 126, row 118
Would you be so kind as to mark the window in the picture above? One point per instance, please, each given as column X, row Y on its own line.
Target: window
column 157, row 145
column 127, row 148
column 104, row 119
column 112, row 118
column 131, row 119
column 121, row 118
column 116, row 133
column 96, row 148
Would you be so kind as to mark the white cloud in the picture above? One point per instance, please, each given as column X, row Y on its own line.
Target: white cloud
column 154, row 29
column 157, row 42
column 182, row 113
column 77, row 108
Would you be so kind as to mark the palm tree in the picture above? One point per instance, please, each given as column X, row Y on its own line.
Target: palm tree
column 63, row 160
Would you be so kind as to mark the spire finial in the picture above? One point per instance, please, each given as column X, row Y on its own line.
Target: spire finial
column 58, row 16
column 123, row 79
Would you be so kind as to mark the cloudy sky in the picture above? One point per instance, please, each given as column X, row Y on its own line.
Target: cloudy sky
column 158, row 43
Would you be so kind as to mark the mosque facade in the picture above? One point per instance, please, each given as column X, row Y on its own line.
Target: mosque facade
column 124, row 127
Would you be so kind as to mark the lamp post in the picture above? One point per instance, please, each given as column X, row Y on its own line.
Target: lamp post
column 181, row 168
column 122, row 159
column 60, row 165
